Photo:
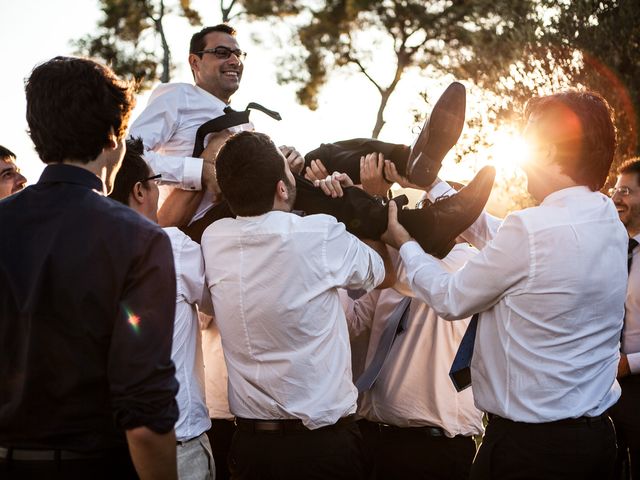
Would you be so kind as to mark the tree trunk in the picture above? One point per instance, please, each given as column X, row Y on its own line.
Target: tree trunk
column 384, row 98
column 166, row 53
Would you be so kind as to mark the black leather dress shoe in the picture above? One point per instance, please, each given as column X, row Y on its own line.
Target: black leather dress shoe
column 436, row 226
column 439, row 133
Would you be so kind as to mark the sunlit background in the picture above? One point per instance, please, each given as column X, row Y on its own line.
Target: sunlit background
column 36, row 30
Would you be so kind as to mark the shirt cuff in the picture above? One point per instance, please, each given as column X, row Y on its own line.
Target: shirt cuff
column 634, row 362
column 192, row 174
column 439, row 189
column 410, row 250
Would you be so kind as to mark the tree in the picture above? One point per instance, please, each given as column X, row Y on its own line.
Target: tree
column 356, row 33
column 127, row 37
column 576, row 48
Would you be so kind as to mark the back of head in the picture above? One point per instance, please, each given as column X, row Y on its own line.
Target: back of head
column 198, row 42
column 248, row 168
column 580, row 126
column 73, row 106
column 133, row 170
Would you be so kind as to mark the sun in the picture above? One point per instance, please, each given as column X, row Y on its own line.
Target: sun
column 508, row 151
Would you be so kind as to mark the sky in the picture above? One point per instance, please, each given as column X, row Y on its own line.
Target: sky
column 34, row 31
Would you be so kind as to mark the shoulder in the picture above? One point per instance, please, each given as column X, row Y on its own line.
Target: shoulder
column 179, row 240
column 167, row 91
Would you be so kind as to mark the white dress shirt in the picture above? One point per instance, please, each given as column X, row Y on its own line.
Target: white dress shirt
column 186, row 351
column 414, row 388
column 168, row 127
column 631, row 331
column 273, row 279
column 551, row 286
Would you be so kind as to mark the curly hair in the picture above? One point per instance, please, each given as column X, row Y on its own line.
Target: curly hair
column 73, row 106
column 580, row 124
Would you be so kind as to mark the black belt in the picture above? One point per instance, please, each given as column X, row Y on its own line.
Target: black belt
column 385, row 428
column 19, row 454
column 565, row 421
column 281, row 426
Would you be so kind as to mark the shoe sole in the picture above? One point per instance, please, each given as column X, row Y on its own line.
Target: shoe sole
column 446, row 113
column 441, row 251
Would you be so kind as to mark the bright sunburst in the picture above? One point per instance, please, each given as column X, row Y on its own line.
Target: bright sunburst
column 508, row 152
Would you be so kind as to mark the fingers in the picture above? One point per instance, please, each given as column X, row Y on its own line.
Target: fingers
column 330, row 186
column 316, row 171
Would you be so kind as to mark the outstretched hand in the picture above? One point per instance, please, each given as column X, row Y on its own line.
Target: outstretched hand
column 395, row 235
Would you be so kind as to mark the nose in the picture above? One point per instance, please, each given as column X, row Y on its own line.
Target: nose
column 19, row 182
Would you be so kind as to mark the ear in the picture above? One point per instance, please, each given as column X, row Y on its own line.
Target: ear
column 194, row 61
column 137, row 195
column 112, row 141
column 281, row 190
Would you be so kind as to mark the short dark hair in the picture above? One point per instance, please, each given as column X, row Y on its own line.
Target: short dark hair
column 585, row 147
column 198, row 44
column 631, row 166
column 6, row 153
column 248, row 168
column 133, row 170
column 73, row 105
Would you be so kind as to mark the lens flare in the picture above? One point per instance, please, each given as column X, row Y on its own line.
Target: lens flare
column 509, row 151
column 134, row 320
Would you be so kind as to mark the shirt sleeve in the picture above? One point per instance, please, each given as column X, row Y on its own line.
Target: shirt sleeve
column 634, row 362
column 501, row 267
column 348, row 261
column 360, row 313
column 156, row 125
column 141, row 374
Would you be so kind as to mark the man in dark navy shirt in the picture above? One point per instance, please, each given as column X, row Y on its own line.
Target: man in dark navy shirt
column 87, row 297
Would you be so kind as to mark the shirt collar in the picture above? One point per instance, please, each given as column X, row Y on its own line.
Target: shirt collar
column 211, row 96
column 61, row 173
column 560, row 195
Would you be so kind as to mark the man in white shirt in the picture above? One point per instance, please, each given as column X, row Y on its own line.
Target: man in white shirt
column 550, row 283
column 415, row 424
column 274, row 279
column 136, row 186
column 175, row 112
column 626, row 413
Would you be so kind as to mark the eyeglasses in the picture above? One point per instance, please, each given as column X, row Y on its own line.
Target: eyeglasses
column 223, row 52
column 623, row 191
column 155, row 179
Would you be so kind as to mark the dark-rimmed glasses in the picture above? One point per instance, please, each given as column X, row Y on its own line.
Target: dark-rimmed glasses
column 154, row 178
column 224, row 52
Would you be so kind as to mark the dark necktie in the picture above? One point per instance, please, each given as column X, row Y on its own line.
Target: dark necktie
column 633, row 243
column 395, row 325
column 460, row 372
column 231, row 118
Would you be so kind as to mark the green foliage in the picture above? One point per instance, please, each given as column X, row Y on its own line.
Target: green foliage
column 126, row 38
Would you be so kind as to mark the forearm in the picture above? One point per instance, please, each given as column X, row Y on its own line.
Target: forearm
column 153, row 454
column 389, row 268
column 179, row 208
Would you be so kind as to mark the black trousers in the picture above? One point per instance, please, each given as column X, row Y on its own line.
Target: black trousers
column 548, row 451
column 344, row 156
column 220, row 435
column 117, row 465
column 409, row 453
column 626, row 418
column 362, row 215
column 329, row 453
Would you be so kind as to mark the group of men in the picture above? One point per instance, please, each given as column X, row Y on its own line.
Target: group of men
column 336, row 330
